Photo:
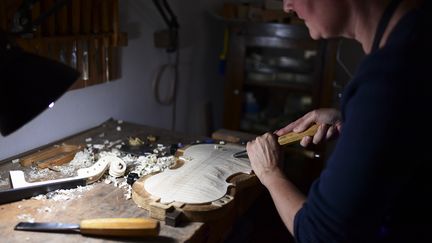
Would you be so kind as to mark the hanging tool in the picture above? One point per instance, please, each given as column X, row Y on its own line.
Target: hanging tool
column 288, row 138
column 124, row 227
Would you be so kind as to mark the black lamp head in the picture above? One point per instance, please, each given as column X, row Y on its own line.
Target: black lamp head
column 29, row 84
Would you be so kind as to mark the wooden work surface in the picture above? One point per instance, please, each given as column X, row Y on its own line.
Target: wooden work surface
column 105, row 200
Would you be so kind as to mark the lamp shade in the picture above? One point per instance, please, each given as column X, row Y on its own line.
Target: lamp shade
column 29, row 83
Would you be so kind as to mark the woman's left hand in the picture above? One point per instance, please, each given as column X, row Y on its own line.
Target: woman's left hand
column 265, row 154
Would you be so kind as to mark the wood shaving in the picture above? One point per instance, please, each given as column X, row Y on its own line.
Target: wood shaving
column 117, row 142
column 135, row 141
column 4, row 183
column 128, row 194
column 37, row 174
column 185, row 158
column 151, row 138
column 98, row 146
column 44, row 210
column 26, row 218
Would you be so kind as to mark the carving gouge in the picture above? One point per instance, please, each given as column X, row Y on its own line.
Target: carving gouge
column 119, row 227
column 288, row 138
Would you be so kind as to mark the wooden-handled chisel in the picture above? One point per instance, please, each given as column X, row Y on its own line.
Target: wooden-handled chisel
column 119, row 227
column 288, row 138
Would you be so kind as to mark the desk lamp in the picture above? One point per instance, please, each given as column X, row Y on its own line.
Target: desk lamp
column 28, row 84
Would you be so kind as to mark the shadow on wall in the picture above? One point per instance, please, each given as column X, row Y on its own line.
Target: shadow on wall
column 150, row 18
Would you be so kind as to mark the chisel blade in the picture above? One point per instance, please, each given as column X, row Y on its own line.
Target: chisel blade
column 16, row 194
column 48, row 227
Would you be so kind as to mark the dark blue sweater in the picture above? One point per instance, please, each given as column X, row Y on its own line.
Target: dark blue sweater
column 377, row 183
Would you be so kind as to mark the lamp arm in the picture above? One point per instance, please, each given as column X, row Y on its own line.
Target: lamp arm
column 161, row 12
column 173, row 23
column 172, row 20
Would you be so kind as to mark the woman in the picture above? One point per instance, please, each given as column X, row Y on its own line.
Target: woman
column 374, row 187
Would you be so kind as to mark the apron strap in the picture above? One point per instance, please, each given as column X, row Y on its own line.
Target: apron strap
column 382, row 25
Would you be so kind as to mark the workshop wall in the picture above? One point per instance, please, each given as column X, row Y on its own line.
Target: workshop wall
column 200, row 87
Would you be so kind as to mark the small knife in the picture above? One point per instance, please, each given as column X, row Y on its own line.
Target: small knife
column 288, row 138
column 119, row 227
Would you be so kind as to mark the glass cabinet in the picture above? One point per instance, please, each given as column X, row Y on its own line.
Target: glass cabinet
column 275, row 73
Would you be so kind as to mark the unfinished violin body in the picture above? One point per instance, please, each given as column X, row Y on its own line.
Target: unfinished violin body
column 205, row 181
column 203, row 176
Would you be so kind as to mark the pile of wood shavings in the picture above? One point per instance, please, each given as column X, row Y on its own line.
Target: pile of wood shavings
column 64, row 194
column 82, row 159
column 142, row 165
column 151, row 163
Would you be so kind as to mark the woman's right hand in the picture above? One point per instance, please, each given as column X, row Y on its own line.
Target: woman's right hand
column 329, row 121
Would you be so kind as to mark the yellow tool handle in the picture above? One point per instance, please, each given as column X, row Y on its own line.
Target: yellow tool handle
column 293, row 137
column 127, row 227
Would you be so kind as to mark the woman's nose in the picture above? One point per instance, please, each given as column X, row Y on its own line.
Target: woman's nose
column 288, row 6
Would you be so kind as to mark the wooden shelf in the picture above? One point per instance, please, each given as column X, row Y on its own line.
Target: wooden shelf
column 105, row 39
column 278, row 42
column 298, row 87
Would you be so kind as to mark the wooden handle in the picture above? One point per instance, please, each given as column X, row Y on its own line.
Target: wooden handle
column 293, row 137
column 129, row 227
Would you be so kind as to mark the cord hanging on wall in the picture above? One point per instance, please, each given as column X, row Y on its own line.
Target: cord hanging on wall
column 167, row 39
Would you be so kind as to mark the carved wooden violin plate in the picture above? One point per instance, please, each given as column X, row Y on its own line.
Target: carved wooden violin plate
column 202, row 178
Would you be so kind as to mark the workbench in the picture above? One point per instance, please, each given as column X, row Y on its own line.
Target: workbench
column 102, row 200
